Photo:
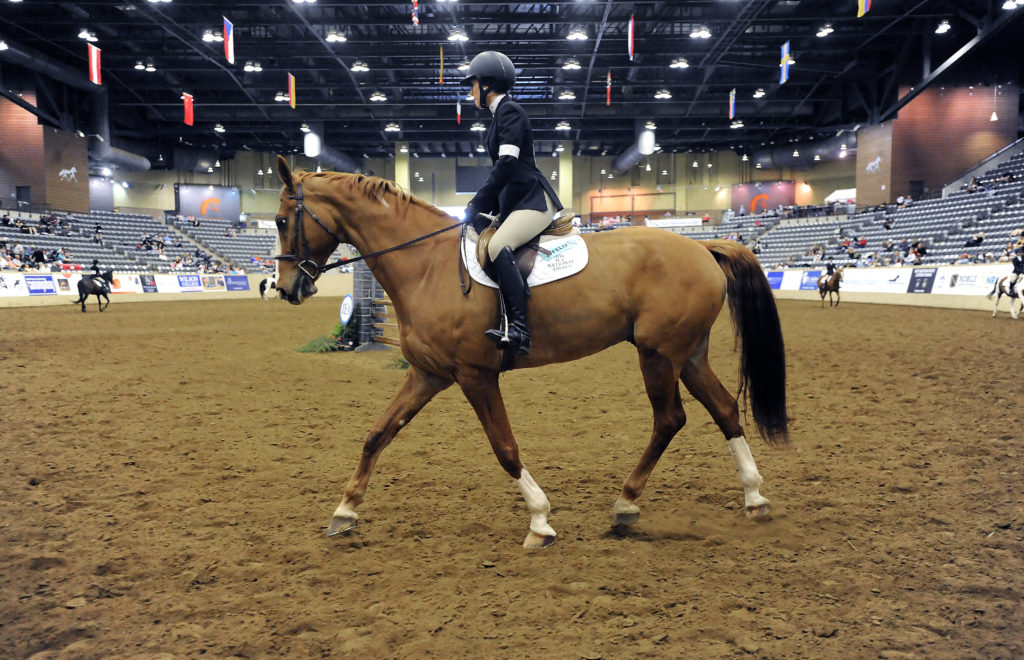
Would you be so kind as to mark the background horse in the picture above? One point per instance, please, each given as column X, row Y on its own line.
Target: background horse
column 657, row 290
column 828, row 284
column 95, row 285
column 1015, row 294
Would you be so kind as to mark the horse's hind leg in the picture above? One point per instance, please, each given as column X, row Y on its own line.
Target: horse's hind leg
column 481, row 389
column 417, row 390
column 704, row 385
column 660, row 379
column 995, row 308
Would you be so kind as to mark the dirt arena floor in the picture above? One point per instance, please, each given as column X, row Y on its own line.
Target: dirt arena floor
column 169, row 470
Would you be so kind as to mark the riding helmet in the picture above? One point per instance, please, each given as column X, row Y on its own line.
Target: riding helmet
column 494, row 71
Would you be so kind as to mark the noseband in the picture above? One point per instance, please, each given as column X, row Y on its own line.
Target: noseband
column 310, row 268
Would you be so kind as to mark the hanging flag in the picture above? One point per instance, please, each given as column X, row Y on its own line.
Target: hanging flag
column 94, row 65
column 188, row 107
column 629, row 39
column 732, row 103
column 458, row 110
column 229, row 41
column 863, row 7
column 608, row 90
column 442, row 66
column 291, row 90
column 784, row 64
column 415, row 12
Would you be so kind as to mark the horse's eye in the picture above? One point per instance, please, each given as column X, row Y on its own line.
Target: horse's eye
column 281, row 221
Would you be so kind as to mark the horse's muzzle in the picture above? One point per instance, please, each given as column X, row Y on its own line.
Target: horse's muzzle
column 301, row 289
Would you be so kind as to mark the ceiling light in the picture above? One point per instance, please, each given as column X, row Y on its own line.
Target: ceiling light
column 260, row 172
column 842, row 153
column 280, row 97
column 664, row 173
column 943, row 27
column 737, row 123
column 744, row 158
column 710, row 165
column 209, row 169
column 218, row 128
column 149, row 67
column 480, row 148
column 1009, row 4
column 577, row 34
column 304, row 127
column 566, row 95
column 759, row 92
column 478, row 126
column 695, row 164
column 464, row 66
column 817, row 157
column 87, row 35
column 560, row 148
column 3, row 45
column 458, row 34
column 648, row 168
column 139, row 66
column 248, row 66
column 217, row 36
column 378, row 97
column 404, row 149
column 700, row 32
column 208, row 36
column 679, row 63
column 360, row 66
column 792, row 60
column 825, row 30
column 994, row 116
column 757, row 166
column 650, row 125
column 334, row 37
column 563, row 126
column 571, row 64
column 392, row 127
column 663, row 94
column 796, row 153
column 217, row 164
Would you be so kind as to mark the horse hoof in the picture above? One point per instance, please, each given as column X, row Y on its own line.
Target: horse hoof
column 758, row 512
column 625, row 519
column 341, row 524
column 535, row 541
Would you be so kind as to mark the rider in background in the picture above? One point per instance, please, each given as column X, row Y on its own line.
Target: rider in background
column 515, row 190
column 1018, row 268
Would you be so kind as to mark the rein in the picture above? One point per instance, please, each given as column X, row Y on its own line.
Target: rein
column 310, row 268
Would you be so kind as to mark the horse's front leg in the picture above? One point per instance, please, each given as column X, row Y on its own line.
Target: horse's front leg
column 417, row 390
column 481, row 389
column 830, row 298
column 995, row 308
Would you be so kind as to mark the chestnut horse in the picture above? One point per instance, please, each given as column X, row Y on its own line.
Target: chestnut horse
column 657, row 290
column 828, row 284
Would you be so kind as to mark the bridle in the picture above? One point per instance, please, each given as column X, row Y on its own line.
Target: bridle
column 310, row 268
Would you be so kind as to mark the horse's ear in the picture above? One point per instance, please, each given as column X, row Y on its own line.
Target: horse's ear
column 285, row 173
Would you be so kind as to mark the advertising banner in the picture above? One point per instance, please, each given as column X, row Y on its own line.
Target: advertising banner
column 876, row 280
column 207, row 202
column 40, row 285
column 922, row 280
column 754, row 198
column 236, row 282
column 775, row 279
column 148, row 283
column 190, row 282
column 809, row 280
column 12, row 284
column 213, row 282
column 969, row 280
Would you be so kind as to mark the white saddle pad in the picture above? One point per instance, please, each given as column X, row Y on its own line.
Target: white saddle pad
column 558, row 258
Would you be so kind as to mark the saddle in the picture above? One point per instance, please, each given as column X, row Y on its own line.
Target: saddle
column 526, row 254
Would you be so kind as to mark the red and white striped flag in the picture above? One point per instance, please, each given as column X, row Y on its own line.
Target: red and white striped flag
column 188, row 107
column 630, row 42
column 415, row 12
column 458, row 109
column 229, row 40
column 94, row 65
column 291, row 90
column 608, row 90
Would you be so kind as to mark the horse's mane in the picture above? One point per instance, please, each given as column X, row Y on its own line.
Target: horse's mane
column 372, row 187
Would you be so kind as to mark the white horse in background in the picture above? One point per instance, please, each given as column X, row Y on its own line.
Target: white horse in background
column 874, row 166
column 1014, row 293
column 70, row 174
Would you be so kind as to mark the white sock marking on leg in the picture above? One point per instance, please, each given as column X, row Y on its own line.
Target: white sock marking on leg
column 537, row 503
column 749, row 476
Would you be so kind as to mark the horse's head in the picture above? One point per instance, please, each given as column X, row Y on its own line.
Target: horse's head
column 307, row 234
column 839, row 273
column 108, row 275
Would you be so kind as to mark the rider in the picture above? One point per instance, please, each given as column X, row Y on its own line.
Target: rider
column 515, row 190
column 97, row 276
column 1018, row 269
column 830, row 269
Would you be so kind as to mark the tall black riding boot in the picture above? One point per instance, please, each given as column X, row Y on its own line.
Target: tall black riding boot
column 513, row 291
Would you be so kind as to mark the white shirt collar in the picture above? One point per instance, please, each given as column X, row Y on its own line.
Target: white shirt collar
column 494, row 104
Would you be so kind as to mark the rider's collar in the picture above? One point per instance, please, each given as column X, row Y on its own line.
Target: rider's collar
column 494, row 104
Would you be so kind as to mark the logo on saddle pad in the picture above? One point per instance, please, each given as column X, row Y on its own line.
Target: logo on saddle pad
column 557, row 258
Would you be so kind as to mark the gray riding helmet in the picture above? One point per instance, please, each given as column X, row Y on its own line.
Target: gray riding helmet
column 494, row 71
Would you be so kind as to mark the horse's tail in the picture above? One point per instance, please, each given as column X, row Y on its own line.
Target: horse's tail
column 995, row 287
column 756, row 323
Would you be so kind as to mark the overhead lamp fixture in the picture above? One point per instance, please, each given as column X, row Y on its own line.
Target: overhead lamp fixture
column 796, row 153
column 250, row 67
column 792, row 60
column 87, row 35
column 696, row 164
column 759, row 93
column 1009, row 4
column 260, row 172
column 736, row 123
column 464, row 66
column 560, row 148
column 458, row 34
column 650, row 125
column 218, row 128
column 392, row 127
column 825, row 30
column 710, row 165
column 664, row 173
column 745, row 158
column 3, row 45
column 757, row 166
column 572, row 64
column 360, row 66
column 308, row 2
column 209, row 169
column 152, row 2
column 663, row 94
column 679, row 63
column 563, row 126
column 281, row 97
column 817, row 156
column 333, row 36
column 139, row 66
column 478, row 126
column 208, row 36
column 378, row 97
column 700, row 32
column 150, row 67
column 403, row 149
column 217, row 36
column 480, row 148
column 566, row 95
column 943, row 27
column 217, row 163
column 577, row 34
column 304, row 127
column 648, row 168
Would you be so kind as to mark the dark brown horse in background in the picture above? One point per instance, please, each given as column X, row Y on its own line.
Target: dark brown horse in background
column 829, row 284
column 657, row 290
column 95, row 285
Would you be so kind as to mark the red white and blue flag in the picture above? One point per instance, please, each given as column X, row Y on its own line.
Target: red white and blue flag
column 94, row 65
column 415, row 12
column 229, row 41
column 630, row 41
column 187, row 98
